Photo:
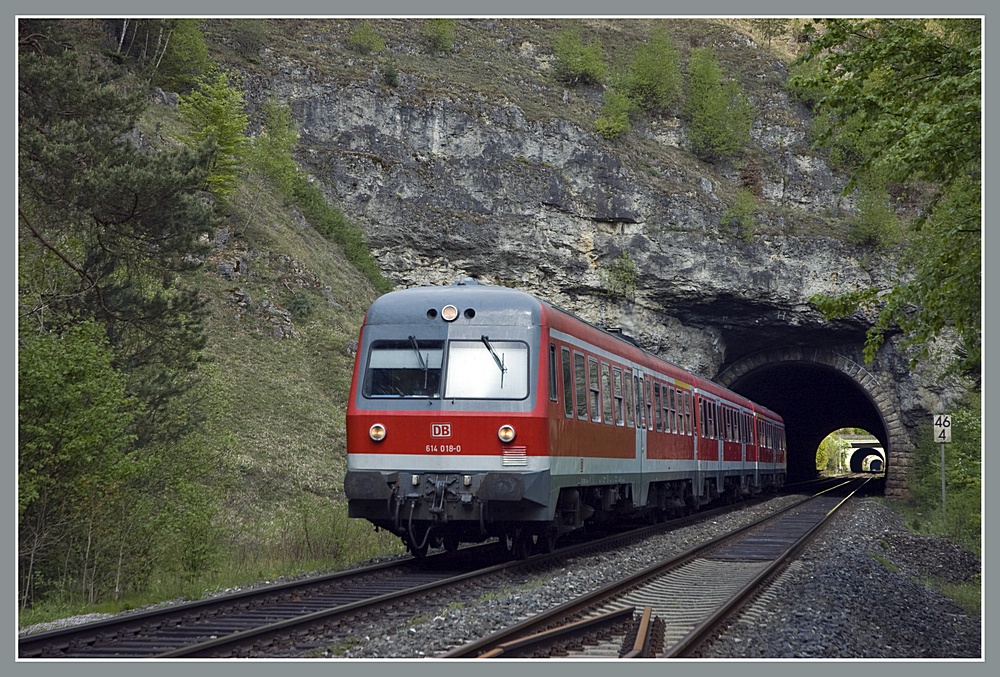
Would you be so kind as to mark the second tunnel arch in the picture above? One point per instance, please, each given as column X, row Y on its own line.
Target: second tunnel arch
column 818, row 391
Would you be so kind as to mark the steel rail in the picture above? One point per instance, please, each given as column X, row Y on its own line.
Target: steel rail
column 753, row 587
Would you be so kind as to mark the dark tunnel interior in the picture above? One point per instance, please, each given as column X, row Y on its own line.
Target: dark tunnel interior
column 814, row 400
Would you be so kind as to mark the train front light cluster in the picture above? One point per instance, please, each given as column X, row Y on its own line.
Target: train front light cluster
column 377, row 432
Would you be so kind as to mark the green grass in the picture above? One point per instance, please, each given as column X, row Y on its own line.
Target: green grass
column 967, row 595
column 885, row 562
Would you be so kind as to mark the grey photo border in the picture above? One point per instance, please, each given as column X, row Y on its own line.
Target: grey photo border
column 453, row 8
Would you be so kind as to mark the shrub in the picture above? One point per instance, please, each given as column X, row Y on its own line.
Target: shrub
column 876, row 224
column 614, row 119
column 391, row 74
column 577, row 63
column 439, row 34
column 740, row 217
column 365, row 40
column 302, row 304
column 960, row 518
column 719, row 114
column 621, row 277
column 653, row 77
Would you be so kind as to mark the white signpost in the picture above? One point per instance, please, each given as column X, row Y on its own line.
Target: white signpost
column 942, row 433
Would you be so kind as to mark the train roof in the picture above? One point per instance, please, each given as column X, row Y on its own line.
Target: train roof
column 520, row 308
column 400, row 306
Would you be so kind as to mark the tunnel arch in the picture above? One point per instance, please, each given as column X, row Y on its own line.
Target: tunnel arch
column 860, row 454
column 818, row 391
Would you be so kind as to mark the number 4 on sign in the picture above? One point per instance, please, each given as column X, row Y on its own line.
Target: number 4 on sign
column 942, row 428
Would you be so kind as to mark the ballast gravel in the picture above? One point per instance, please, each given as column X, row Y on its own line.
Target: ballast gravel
column 857, row 592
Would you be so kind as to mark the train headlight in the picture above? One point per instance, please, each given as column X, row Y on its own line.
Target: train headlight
column 449, row 313
column 377, row 432
column 506, row 433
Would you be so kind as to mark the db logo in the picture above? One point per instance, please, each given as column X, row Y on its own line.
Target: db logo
column 440, row 430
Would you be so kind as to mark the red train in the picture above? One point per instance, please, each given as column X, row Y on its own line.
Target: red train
column 479, row 411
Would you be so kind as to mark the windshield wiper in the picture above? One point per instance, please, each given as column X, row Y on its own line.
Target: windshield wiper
column 420, row 358
column 496, row 358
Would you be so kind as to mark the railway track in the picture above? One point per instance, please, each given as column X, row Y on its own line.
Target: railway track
column 667, row 610
column 293, row 619
column 180, row 630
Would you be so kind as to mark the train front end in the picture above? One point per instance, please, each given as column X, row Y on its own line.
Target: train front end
column 446, row 432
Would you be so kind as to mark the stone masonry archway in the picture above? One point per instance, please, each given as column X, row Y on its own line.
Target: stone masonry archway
column 818, row 391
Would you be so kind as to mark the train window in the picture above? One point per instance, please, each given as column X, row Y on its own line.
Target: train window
column 666, row 408
column 649, row 404
column 629, row 412
column 672, row 411
column 637, row 382
column 595, row 391
column 567, row 371
column 486, row 369
column 617, row 376
column 606, row 390
column 580, row 366
column 410, row 368
column 702, row 426
column 687, row 413
column 658, row 406
column 553, row 375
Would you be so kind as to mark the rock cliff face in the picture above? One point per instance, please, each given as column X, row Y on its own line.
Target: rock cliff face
column 443, row 191
column 451, row 182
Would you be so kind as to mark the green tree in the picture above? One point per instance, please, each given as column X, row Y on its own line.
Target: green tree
column 106, row 231
column 185, row 58
column 719, row 115
column 770, row 28
column 653, row 77
column 576, row 62
column 269, row 155
column 216, row 114
column 911, row 88
column 829, row 453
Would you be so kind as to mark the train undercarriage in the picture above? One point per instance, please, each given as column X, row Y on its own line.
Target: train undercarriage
column 444, row 510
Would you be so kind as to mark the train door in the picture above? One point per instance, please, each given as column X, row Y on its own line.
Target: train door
column 709, row 448
column 641, row 451
column 719, row 446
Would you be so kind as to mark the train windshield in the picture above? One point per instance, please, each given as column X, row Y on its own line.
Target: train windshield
column 487, row 369
column 409, row 368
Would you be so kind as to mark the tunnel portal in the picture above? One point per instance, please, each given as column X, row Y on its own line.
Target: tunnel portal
column 818, row 392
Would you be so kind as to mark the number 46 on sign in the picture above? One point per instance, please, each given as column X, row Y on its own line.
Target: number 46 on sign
column 942, row 428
